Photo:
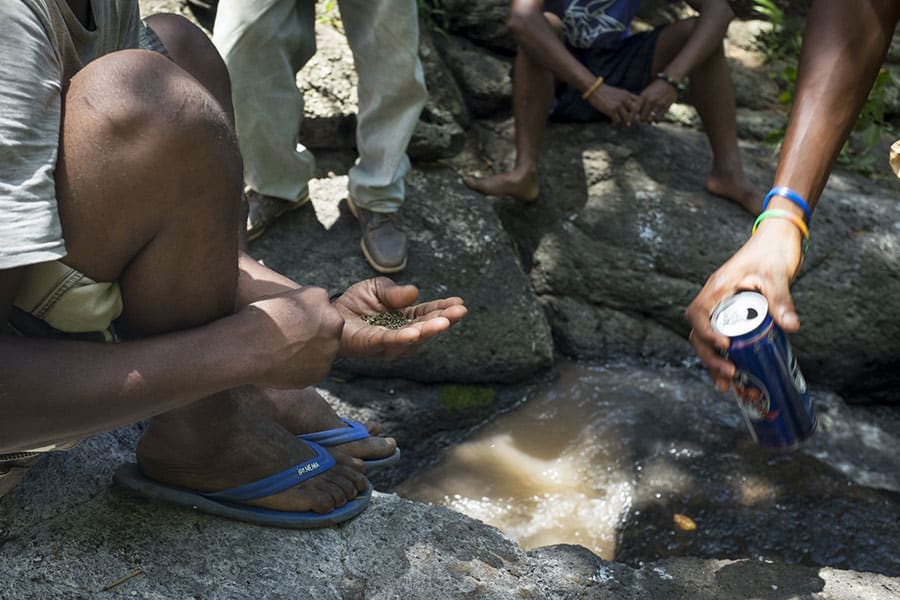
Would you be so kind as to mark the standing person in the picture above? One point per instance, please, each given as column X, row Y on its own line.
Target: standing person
column 264, row 44
column 843, row 48
column 120, row 184
column 578, row 61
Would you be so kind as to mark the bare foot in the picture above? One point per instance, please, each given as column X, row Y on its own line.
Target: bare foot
column 306, row 411
column 736, row 189
column 214, row 450
column 521, row 186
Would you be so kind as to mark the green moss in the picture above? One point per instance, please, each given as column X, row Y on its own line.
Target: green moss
column 466, row 397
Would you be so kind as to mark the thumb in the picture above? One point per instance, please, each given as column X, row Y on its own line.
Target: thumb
column 396, row 296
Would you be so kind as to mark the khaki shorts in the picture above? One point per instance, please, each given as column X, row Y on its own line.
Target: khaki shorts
column 56, row 301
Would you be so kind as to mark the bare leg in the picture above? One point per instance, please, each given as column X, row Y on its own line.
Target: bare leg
column 532, row 99
column 149, row 183
column 298, row 411
column 712, row 94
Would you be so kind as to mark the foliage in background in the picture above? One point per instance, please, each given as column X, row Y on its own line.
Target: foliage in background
column 779, row 45
column 432, row 11
column 330, row 15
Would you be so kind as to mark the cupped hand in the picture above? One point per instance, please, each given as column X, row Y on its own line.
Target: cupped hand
column 380, row 294
column 621, row 106
column 657, row 98
column 767, row 263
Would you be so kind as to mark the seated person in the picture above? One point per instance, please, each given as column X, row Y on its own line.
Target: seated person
column 120, row 186
column 578, row 61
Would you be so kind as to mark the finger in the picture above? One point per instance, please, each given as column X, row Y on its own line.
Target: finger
column 454, row 314
column 720, row 368
column 436, row 306
column 614, row 117
column 431, row 327
column 395, row 296
column 405, row 336
column 781, row 305
column 646, row 111
column 698, row 315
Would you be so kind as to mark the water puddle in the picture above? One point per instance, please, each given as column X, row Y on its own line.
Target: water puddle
column 607, row 454
column 540, row 473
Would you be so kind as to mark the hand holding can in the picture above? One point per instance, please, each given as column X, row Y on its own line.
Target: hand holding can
column 769, row 386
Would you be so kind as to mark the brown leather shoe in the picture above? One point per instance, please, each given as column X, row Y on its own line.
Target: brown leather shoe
column 383, row 240
column 265, row 210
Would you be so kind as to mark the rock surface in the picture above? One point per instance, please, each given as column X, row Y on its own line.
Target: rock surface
column 601, row 267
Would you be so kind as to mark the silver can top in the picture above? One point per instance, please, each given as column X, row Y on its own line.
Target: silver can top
column 740, row 314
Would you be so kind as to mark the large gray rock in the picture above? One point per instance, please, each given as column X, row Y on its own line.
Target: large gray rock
column 440, row 132
column 328, row 84
column 624, row 235
column 481, row 22
column 457, row 248
column 484, row 78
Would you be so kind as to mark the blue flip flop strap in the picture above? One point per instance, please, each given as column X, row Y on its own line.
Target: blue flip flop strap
column 341, row 435
column 279, row 481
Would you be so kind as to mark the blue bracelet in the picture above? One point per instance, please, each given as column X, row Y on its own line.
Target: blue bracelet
column 786, row 192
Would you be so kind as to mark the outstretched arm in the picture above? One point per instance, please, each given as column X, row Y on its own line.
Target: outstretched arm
column 844, row 46
column 365, row 298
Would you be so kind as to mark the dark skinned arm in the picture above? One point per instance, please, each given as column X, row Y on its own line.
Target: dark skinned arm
column 54, row 390
column 843, row 48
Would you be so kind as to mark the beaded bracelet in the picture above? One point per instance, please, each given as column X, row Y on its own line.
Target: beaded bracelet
column 783, row 214
column 789, row 194
column 678, row 85
column 597, row 83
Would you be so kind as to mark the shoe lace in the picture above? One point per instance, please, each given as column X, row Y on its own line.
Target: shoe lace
column 377, row 219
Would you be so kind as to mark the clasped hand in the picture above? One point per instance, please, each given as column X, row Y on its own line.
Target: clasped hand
column 625, row 108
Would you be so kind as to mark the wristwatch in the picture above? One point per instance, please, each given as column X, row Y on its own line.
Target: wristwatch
column 678, row 85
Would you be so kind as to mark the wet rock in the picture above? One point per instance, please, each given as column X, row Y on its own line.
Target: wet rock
column 396, row 548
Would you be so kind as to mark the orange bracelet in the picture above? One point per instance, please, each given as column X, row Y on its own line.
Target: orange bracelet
column 587, row 93
column 783, row 214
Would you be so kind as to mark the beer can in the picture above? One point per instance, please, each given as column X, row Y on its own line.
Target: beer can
column 769, row 386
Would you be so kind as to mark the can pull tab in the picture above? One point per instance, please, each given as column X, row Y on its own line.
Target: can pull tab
column 751, row 314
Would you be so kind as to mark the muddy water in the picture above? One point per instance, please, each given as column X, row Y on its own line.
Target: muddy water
column 612, row 454
column 540, row 473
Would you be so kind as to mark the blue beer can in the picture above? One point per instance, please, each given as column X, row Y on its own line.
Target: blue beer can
column 769, row 386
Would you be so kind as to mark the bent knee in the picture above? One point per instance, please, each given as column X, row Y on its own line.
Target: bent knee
column 154, row 119
column 127, row 92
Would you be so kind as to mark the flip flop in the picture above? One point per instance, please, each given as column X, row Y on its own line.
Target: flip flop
column 353, row 432
column 227, row 502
